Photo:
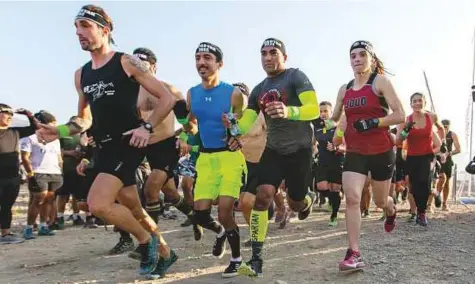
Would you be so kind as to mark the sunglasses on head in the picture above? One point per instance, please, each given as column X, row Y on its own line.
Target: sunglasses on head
column 6, row 110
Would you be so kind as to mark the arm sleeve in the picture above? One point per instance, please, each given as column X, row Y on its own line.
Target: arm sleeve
column 249, row 115
column 308, row 98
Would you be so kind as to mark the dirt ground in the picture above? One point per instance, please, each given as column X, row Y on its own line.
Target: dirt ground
column 303, row 252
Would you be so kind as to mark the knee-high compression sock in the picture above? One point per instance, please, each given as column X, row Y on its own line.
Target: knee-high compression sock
column 258, row 230
column 153, row 209
column 124, row 235
column 183, row 207
column 336, row 202
column 204, row 219
column 235, row 243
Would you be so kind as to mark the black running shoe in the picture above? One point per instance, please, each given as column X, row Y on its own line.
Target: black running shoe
column 198, row 232
column 188, row 222
column 252, row 268
column 122, row 246
column 232, row 269
column 78, row 222
column 305, row 213
column 219, row 247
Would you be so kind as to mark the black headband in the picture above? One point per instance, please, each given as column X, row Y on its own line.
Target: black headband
column 97, row 18
column 7, row 110
column 366, row 45
column 273, row 42
column 210, row 48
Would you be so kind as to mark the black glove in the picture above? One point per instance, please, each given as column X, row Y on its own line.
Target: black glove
column 470, row 168
column 33, row 185
column 363, row 125
column 443, row 148
column 318, row 123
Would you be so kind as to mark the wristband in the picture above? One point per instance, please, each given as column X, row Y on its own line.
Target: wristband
column 63, row 131
column 183, row 136
column 85, row 161
column 195, row 149
column 31, row 174
column 183, row 121
column 293, row 113
column 340, row 133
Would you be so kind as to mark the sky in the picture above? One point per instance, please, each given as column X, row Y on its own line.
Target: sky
column 40, row 50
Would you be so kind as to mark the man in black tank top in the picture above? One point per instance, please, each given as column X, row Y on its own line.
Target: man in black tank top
column 452, row 141
column 108, row 87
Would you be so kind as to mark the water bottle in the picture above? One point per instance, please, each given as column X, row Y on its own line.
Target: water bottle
column 234, row 130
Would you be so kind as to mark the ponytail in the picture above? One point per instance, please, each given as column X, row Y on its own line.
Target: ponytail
column 379, row 66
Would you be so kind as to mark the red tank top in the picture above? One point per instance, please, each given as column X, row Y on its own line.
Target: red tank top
column 365, row 104
column 419, row 141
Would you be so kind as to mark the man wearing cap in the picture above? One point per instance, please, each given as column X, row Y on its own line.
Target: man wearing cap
column 108, row 87
column 10, row 168
column 219, row 169
column 289, row 103
column 444, row 182
column 164, row 149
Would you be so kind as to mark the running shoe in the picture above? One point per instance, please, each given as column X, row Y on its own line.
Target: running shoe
column 333, row 222
column 149, row 259
column 163, row 265
column 28, row 234
column 122, row 246
column 353, row 261
column 390, row 222
column 10, row 239
column 232, row 269
column 305, row 213
column 252, row 268
column 219, row 247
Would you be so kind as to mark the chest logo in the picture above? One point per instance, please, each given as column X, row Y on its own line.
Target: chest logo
column 269, row 96
column 98, row 90
column 356, row 102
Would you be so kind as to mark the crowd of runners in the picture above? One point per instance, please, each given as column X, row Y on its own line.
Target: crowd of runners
column 273, row 151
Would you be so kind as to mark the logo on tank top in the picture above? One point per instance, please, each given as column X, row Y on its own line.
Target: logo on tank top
column 98, row 90
column 269, row 96
column 356, row 102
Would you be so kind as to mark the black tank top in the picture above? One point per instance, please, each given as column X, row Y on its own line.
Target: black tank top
column 449, row 141
column 112, row 96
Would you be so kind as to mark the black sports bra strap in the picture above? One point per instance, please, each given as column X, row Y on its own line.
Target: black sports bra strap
column 371, row 78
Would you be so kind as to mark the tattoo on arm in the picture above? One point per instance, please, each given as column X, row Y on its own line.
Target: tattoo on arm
column 78, row 125
column 138, row 64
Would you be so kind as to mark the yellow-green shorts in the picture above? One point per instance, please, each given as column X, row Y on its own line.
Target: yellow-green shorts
column 219, row 174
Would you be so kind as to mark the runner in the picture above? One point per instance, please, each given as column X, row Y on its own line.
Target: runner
column 109, row 85
column 10, row 168
column 422, row 145
column 289, row 103
column 162, row 152
column 446, row 174
column 43, row 163
column 219, row 169
column 369, row 148
column 330, row 163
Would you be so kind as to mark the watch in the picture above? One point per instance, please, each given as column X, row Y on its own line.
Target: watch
column 148, row 126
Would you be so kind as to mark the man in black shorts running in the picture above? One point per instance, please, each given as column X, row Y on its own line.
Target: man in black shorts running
column 108, row 86
column 289, row 103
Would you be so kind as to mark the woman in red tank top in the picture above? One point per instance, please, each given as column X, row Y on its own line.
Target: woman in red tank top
column 422, row 144
column 366, row 101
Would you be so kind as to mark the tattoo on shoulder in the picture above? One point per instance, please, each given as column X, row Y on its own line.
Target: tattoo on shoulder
column 137, row 63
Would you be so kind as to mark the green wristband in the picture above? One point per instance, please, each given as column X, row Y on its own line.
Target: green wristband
column 183, row 121
column 195, row 149
column 293, row 113
column 340, row 133
column 183, row 136
column 63, row 130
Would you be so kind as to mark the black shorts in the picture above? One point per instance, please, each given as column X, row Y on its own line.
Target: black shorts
column 45, row 182
column 294, row 168
column 329, row 173
column 400, row 173
column 447, row 167
column 118, row 158
column 71, row 184
column 85, row 184
column 250, row 181
column 163, row 156
column 381, row 165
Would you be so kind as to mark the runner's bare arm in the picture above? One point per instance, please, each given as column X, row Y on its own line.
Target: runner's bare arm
column 458, row 149
column 136, row 68
column 436, row 142
column 83, row 120
column 338, row 110
column 384, row 87
column 238, row 102
column 189, row 124
column 399, row 138
column 157, row 117
column 439, row 126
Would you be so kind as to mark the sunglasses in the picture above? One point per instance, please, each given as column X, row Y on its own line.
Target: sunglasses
column 7, row 111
